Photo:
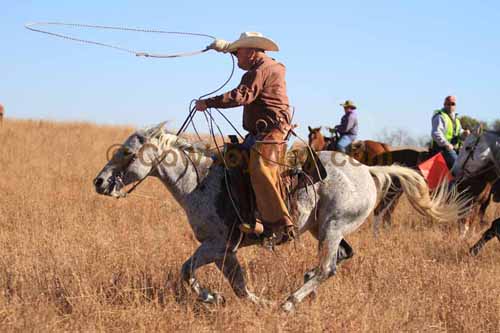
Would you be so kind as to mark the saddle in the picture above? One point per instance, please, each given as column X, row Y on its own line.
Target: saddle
column 332, row 145
column 303, row 168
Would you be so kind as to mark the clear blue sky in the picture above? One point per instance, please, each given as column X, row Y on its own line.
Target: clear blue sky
column 396, row 59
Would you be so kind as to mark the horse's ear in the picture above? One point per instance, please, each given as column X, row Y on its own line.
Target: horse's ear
column 157, row 130
column 310, row 129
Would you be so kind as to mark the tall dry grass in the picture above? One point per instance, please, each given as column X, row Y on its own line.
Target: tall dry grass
column 72, row 260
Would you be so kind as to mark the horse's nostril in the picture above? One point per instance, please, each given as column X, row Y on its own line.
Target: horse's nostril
column 98, row 182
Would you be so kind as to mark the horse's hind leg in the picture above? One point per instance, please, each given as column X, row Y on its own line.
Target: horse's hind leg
column 206, row 254
column 465, row 223
column 492, row 232
column 328, row 249
column 344, row 252
column 383, row 212
column 483, row 208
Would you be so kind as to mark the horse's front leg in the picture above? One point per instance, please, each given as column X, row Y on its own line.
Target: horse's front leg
column 234, row 273
column 206, row 253
column 492, row 232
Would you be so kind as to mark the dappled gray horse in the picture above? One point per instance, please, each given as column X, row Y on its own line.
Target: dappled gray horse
column 343, row 202
column 480, row 155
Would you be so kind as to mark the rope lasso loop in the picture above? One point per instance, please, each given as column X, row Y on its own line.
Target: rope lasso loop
column 192, row 110
column 31, row 26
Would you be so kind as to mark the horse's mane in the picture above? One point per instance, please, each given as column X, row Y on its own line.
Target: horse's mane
column 164, row 138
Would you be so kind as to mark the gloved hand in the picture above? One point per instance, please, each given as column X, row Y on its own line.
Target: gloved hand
column 200, row 105
column 219, row 45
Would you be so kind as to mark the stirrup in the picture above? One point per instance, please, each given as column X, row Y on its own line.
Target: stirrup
column 288, row 233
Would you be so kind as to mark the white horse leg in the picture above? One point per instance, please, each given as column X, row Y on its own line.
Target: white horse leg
column 234, row 273
column 344, row 252
column 328, row 249
column 206, row 253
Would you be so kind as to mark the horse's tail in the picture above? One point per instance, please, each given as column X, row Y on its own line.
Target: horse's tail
column 444, row 205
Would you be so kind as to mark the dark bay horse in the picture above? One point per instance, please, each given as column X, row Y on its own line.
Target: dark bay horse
column 409, row 158
column 362, row 151
column 492, row 232
column 491, row 192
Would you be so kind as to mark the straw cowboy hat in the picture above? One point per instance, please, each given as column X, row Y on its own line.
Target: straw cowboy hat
column 252, row 40
column 349, row 104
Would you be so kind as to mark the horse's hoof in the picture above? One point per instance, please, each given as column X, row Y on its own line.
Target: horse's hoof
column 288, row 306
column 219, row 299
column 211, row 297
column 309, row 275
column 474, row 251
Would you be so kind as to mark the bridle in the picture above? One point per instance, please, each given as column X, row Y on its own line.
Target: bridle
column 470, row 156
column 118, row 176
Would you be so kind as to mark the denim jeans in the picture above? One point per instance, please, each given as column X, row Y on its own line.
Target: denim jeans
column 450, row 156
column 343, row 142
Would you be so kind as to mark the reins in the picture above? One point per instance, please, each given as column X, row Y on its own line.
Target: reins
column 184, row 126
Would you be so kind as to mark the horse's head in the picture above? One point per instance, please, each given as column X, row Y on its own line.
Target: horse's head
column 132, row 161
column 474, row 155
column 316, row 139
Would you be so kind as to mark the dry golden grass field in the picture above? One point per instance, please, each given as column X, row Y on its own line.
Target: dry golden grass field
column 72, row 260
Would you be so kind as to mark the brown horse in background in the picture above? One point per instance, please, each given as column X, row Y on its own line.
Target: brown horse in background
column 362, row 151
column 318, row 141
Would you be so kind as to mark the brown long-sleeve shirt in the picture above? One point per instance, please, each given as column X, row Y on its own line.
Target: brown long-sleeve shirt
column 262, row 92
